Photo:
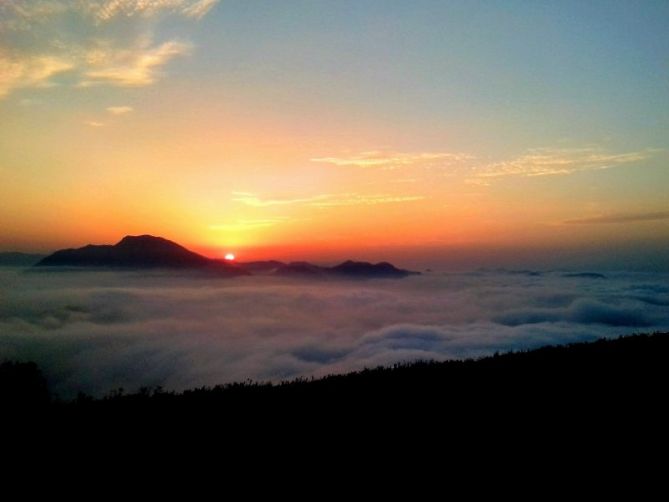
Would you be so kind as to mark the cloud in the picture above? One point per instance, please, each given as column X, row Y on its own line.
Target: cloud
column 106, row 10
column 89, row 43
column 620, row 218
column 33, row 71
column 365, row 200
column 130, row 68
column 25, row 14
column 199, row 8
column 326, row 200
column 244, row 225
column 557, row 161
column 392, row 160
column 96, row 331
column 93, row 123
column 534, row 162
column 253, row 200
column 582, row 311
column 119, row 110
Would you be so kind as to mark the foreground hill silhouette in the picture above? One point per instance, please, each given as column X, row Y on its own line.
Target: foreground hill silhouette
column 623, row 375
column 562, row 406
column 147, row 251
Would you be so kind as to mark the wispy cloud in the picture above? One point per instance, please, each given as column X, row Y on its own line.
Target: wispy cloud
column 365, row 200
column 136, row 67
column 326, row 200
column 119, row 110
column 96, row 43
column 244, row 225
column 107, row 10
column 395, row 159
column 620, row 218
column 551, row 162
column 199, row 8
column 94, row 123
column 31, row 71
column 253, row 200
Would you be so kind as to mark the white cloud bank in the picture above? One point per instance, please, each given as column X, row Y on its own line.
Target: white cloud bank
column 99, row 331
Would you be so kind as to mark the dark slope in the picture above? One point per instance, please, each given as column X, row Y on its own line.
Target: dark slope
column 631, row 368
column 143, row 251
column 557, row 401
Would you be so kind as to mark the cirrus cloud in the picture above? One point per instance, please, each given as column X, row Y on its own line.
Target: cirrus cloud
column 558, row 161
column 326, row 200
column 89, row 43
column 392, row 160
column 119, row 110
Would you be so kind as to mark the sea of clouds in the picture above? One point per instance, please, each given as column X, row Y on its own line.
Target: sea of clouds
column 99, row 331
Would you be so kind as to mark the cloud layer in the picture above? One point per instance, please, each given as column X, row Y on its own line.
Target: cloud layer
column 620, row 218
column 99, row 331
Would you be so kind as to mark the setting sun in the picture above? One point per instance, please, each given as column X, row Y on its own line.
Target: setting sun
column 229, row 256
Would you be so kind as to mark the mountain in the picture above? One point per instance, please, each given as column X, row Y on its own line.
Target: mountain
column 147, row 251
column 143, row 251
column 14, row 259
column 348, row 269
column 363, row 269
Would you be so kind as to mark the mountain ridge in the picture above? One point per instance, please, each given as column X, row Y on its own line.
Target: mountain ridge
column 136, row 251
column 148, row 251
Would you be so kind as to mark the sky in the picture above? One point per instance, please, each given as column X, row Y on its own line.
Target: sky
column 469, row 133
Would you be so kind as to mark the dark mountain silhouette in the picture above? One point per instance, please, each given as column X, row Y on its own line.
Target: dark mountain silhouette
column 16, row 259
column 301, row 268
column 147, row 251
column 364, row 269
column 143, row 251
column 348, row 269
column 262, row 267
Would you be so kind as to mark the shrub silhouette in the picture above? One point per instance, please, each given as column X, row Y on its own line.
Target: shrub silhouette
column 22, row 386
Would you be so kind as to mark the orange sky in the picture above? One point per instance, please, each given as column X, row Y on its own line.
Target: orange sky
column 229, row 131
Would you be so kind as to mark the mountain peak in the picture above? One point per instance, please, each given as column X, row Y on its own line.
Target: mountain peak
column 145, row 239
column 136, row 251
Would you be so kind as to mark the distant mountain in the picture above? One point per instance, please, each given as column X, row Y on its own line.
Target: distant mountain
column 147, row 251
column 143, row 251
column 15, row 259
column 370, row 270
column 348, row 269
column 262, row 267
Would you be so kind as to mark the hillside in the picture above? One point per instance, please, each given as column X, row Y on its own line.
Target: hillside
column 626, row 371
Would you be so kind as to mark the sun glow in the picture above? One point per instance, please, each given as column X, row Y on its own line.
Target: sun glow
column 230, row 256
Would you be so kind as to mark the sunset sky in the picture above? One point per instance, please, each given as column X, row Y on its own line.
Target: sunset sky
column 402, row 130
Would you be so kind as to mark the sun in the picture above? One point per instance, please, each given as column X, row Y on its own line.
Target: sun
column 230, row 256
